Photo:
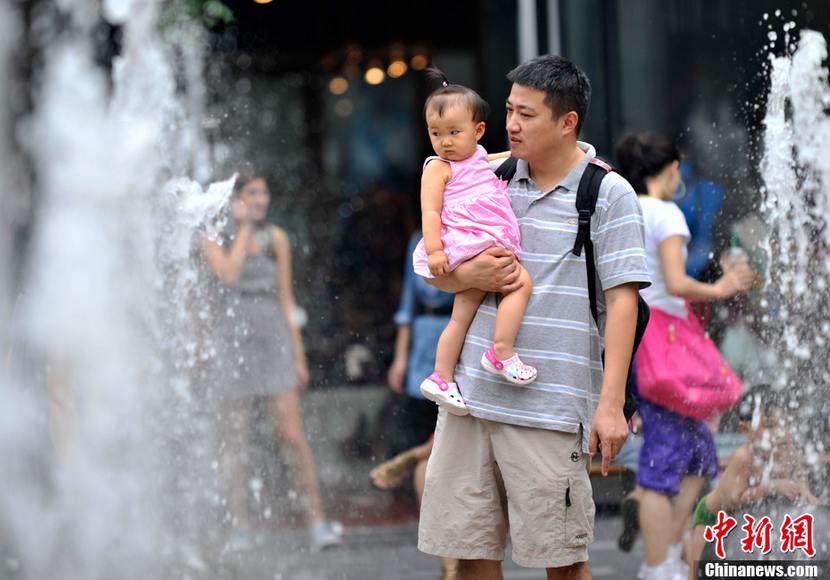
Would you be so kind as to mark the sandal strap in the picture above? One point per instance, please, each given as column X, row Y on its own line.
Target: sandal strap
column 491, row 356
column 436, row 378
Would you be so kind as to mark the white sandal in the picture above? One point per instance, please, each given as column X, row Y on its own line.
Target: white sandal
column 444, row 394
column 512, row 369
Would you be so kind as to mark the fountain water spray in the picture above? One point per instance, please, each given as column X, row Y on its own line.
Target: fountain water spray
column 110, row 311
column 796, row 206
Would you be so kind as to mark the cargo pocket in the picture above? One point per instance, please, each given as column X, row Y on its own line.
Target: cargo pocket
column 578, row 528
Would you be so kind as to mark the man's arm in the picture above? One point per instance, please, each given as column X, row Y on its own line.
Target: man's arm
column 610, row 429
column 493, row 270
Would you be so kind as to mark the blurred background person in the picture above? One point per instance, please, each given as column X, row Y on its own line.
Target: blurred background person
column 263, row 354
column 678, row 453
column 422, row 315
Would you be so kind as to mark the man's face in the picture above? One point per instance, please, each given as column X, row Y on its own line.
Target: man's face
column 532, row 127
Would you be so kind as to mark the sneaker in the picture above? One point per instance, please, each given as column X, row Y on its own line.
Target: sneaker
column 239, row 541
column 681, row 569
column 326, row 535
column 444, row 394
column 630, row 509
column 512, row 369
column 668, row 570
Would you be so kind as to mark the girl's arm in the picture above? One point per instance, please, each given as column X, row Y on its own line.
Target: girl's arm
column 790, row 489
column 499, row 155
column 228, row 265
column 285, row 296
column 678, row 283
column 732, row 483
column 435, row 177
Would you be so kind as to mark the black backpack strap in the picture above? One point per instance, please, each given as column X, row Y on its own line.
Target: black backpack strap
column 507, row 169
column 586, row 203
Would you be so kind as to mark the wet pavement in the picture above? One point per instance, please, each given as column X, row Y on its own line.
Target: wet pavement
column 389, row 553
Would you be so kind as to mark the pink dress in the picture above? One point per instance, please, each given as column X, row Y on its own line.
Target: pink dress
column 476, row 214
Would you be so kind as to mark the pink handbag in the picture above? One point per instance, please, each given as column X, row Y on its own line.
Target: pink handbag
column 681, row 369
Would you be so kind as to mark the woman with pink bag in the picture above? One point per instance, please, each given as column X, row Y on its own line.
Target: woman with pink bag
column 681, row 377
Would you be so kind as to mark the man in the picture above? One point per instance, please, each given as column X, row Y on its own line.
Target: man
column 522, row 454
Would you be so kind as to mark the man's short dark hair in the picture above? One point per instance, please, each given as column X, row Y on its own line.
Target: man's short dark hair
column 566, row 86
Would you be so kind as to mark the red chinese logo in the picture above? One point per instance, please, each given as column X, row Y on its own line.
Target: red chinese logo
column 797, row 534
column 719, row 531
column 757, row 535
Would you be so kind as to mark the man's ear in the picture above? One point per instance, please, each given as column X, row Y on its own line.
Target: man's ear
column 569, row 122
column 480, row 126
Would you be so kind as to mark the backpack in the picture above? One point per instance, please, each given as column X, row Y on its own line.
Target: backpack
column 586, row 202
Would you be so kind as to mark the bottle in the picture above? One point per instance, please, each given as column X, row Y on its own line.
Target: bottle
column 734, row 255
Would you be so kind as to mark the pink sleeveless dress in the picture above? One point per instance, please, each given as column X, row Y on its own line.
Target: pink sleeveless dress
column 476, row 214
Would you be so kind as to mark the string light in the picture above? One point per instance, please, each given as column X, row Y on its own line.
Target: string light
column 396, row 69
column 374, row 75
column 338, row 85
column 419, row 62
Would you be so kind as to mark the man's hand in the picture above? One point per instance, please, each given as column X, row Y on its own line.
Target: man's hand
column 608, row 433
column 438, row 263
column 493, row 270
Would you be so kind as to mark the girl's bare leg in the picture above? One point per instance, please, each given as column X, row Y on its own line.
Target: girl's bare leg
column 235, row 458
column 509, row 317
column 657, row 526
column 464, row 309
column 285, row 407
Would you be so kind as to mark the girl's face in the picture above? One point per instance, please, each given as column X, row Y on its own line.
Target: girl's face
column 669, row 180
column 454, row 135
column 255, row 196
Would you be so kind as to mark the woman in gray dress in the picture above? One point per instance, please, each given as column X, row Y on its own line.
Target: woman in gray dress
column 263, row 354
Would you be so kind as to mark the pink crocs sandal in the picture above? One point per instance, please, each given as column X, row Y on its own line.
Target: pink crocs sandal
column 444, row 394
column 512, row 369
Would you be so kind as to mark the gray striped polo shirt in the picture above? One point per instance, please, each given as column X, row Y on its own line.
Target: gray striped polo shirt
column 558, row 334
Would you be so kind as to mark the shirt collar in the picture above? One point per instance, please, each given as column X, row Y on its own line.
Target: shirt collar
column 571, row 181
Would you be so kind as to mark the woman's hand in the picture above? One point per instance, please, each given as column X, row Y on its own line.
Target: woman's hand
column 301, row 368
column 396, row 374
column 439, row 264
column 794, row 490
column 240, row 211
column 736, row 280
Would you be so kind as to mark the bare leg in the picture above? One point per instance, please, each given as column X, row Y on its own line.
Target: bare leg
column 235, row 459
column 390, row 474
column 509, row 317
column 657, row 526
column 636, row 493
column 580, row 571
column 684, row 503
column 62, row 411
column 285, row 408
column 698, row 545
column 480, row 570
column 452, row 339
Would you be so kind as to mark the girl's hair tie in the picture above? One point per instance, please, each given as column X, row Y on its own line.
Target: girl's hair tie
column 445, row 83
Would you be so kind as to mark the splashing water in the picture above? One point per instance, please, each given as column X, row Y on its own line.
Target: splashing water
column 796, row 173
column 796, row 207
column 107, row 322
